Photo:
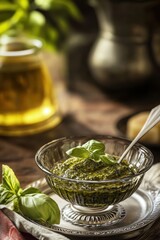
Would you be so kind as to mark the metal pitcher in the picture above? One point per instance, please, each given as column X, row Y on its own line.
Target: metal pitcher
column 126, row 53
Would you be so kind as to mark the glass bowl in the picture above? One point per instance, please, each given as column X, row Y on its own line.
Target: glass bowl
column 93, row 203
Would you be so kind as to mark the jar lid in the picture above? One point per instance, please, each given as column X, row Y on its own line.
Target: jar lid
column 16, row 47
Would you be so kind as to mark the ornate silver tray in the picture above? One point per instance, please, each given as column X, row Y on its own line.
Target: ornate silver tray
column 142, row 209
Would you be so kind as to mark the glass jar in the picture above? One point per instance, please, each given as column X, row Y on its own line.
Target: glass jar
column 28, row 102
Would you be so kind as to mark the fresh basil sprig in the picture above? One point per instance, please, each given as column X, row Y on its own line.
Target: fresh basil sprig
column 94, row 150
column 29, row 202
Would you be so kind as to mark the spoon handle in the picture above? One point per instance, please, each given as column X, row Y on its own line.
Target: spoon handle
column 152, row 120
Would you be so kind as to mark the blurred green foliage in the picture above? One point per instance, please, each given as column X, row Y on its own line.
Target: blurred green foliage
column 47, row 20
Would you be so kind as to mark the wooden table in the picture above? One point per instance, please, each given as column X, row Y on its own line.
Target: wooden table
column 86, row 110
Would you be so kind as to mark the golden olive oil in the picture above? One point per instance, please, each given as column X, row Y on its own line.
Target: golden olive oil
column 28, row 102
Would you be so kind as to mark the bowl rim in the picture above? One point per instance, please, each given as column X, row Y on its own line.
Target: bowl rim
column 89, row 137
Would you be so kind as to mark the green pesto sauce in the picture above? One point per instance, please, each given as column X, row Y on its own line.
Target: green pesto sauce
column 88, row 169
column 95, row 194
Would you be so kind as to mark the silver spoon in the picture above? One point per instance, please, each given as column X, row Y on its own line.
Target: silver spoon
column 152, row 120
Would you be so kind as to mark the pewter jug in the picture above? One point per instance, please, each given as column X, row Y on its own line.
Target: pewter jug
column 126, row 53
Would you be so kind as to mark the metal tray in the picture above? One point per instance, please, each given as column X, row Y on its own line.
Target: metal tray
column 143, row 208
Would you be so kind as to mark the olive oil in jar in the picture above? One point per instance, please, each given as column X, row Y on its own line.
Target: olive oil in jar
column 28, row 103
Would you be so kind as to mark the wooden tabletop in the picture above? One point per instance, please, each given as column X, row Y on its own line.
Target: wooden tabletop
column 86, row 110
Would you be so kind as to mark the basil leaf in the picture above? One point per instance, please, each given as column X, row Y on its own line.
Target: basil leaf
column 6, row 195
column 94, row 150
column 9, row 179
column 93, row 145
column 108, row 159
column 95, row 155
column 79, row 152
column 29, row 202
column 39, row 207
column 30, row 190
